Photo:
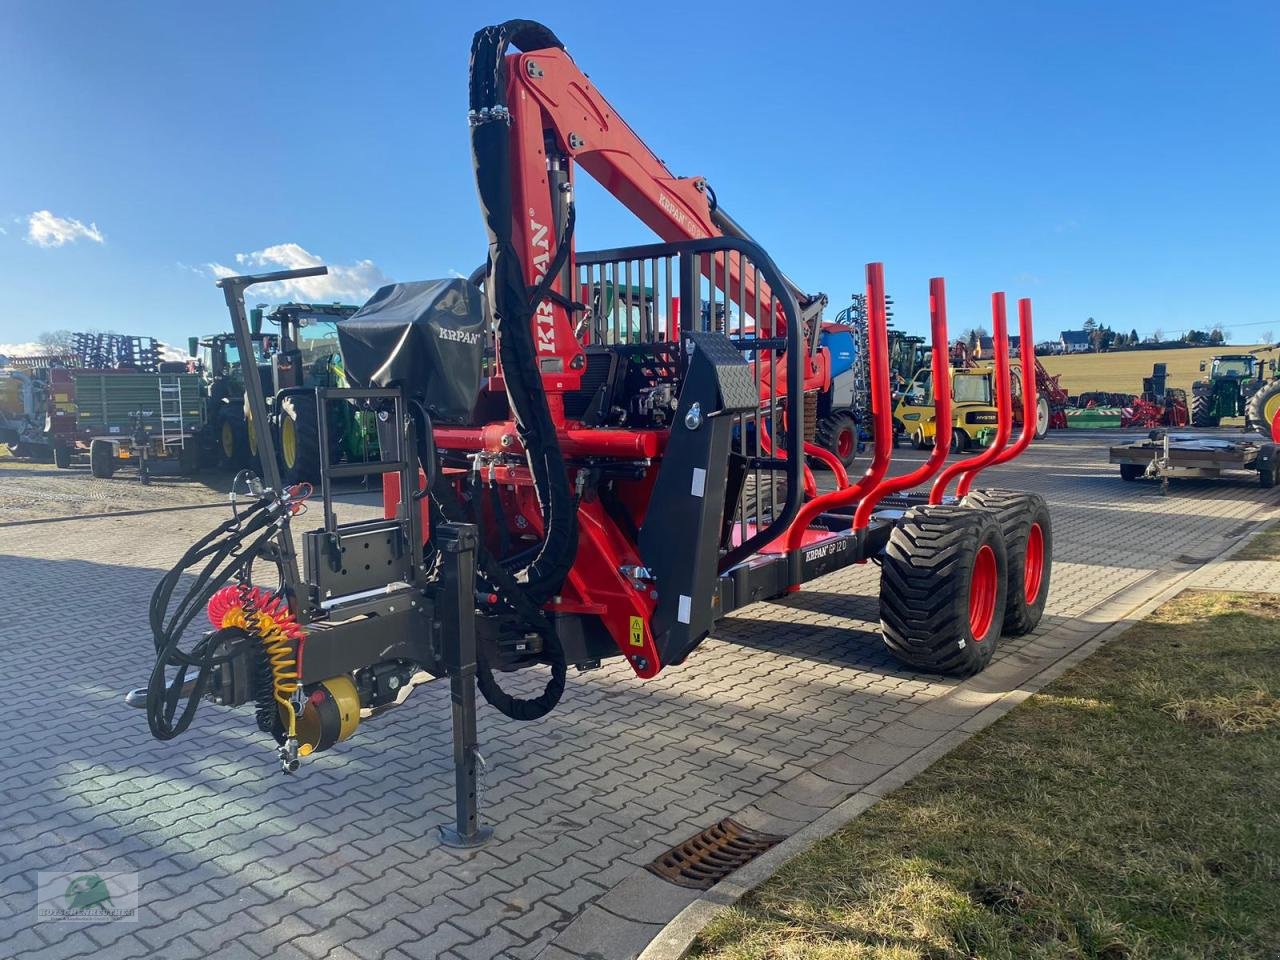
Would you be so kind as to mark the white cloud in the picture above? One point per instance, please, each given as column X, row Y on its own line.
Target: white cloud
column 351, row 282
column 46, row 230
column 21, row 349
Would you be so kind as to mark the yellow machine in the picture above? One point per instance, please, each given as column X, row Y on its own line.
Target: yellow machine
column 973, row 408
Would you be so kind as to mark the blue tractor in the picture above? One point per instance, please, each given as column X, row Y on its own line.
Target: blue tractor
column 840, row 419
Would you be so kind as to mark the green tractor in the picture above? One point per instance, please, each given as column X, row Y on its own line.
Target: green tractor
column 1238, row 385
column 309, row 356
column 302, row 353
column 228, row 437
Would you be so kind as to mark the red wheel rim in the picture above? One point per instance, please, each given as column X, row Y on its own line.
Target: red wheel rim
column 844, row 443
column 982, row 593
column 1035, row 562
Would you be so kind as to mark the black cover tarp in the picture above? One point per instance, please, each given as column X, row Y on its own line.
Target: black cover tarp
column 428, row 336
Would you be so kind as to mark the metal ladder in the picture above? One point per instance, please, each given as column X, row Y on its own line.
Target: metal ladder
column 172, row 427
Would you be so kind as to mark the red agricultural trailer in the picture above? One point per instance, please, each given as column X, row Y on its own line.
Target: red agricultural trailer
column 564, row 487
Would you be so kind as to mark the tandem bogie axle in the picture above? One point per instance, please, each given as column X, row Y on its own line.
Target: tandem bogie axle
column 586, row 456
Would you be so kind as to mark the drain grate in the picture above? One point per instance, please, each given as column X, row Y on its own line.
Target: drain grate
column 708, row 857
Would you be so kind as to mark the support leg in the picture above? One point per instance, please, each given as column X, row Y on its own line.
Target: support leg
column 458, row 541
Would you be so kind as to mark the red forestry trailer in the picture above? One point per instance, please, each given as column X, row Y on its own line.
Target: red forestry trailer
column 568, row 482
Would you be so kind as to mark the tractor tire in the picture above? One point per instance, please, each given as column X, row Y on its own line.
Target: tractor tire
column 943, row 585
column 1028, row 542
column 1132, row 471
column 62, row 457
column 1202, row 409
column 300, row 440
column 189, row 456
column 838, row 432
column 1263, row 408
column 1042, row 417
column 233, row 442
column 102, row 463
column 757, row 495
column 959, row 441
column 252, row 458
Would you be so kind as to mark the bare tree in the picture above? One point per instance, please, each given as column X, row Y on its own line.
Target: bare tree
column 55, row 341
column 1157, row 335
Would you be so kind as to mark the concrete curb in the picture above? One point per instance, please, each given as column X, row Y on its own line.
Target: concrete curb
column 1112, row 617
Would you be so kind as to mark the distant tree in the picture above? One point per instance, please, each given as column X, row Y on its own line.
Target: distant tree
column 1268, row 336
column 1196, row 338
column 1157, row 336
column 1217, row 335
column 1090, row 325
column 1133, row 336
column 55, row 341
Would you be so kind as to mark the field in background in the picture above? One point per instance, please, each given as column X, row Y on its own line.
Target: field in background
column 1123, row 372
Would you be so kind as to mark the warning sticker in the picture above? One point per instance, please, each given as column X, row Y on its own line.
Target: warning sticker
column 637, row 632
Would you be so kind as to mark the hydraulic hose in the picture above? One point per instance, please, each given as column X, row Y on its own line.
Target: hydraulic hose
column 512, row 303
column 512, row 595
column 226, row 552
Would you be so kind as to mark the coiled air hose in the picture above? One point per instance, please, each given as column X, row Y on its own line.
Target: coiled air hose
column 267, row 617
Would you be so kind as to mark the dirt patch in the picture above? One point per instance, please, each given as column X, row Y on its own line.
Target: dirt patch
column 37, row 491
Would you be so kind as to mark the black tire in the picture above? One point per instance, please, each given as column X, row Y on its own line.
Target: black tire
column 917, row 439
column 102, row 463
column 837, row 431
column 1269, row 476
column 959, row 440
column 754, row 494
column 927, row 572
column 62, row 457
column 1255, row 412
column 1132, row 471
column 189, row 456
column 1201, row 407
column 1028, row 530
column 232, row 441
column 300, row 458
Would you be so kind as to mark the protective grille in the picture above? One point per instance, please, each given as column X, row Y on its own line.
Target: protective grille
column 652, row 295
column 708, row 857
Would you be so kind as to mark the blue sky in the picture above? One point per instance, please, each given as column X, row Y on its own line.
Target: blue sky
column 1110, row 160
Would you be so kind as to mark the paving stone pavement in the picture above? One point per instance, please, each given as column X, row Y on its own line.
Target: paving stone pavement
column 790, row 708
column 1250, row 576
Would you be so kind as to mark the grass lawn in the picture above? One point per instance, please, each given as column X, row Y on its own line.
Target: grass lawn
column 1130, row 810
column 1265, row 546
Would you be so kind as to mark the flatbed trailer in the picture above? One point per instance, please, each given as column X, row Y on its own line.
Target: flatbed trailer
column 1164, row 455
